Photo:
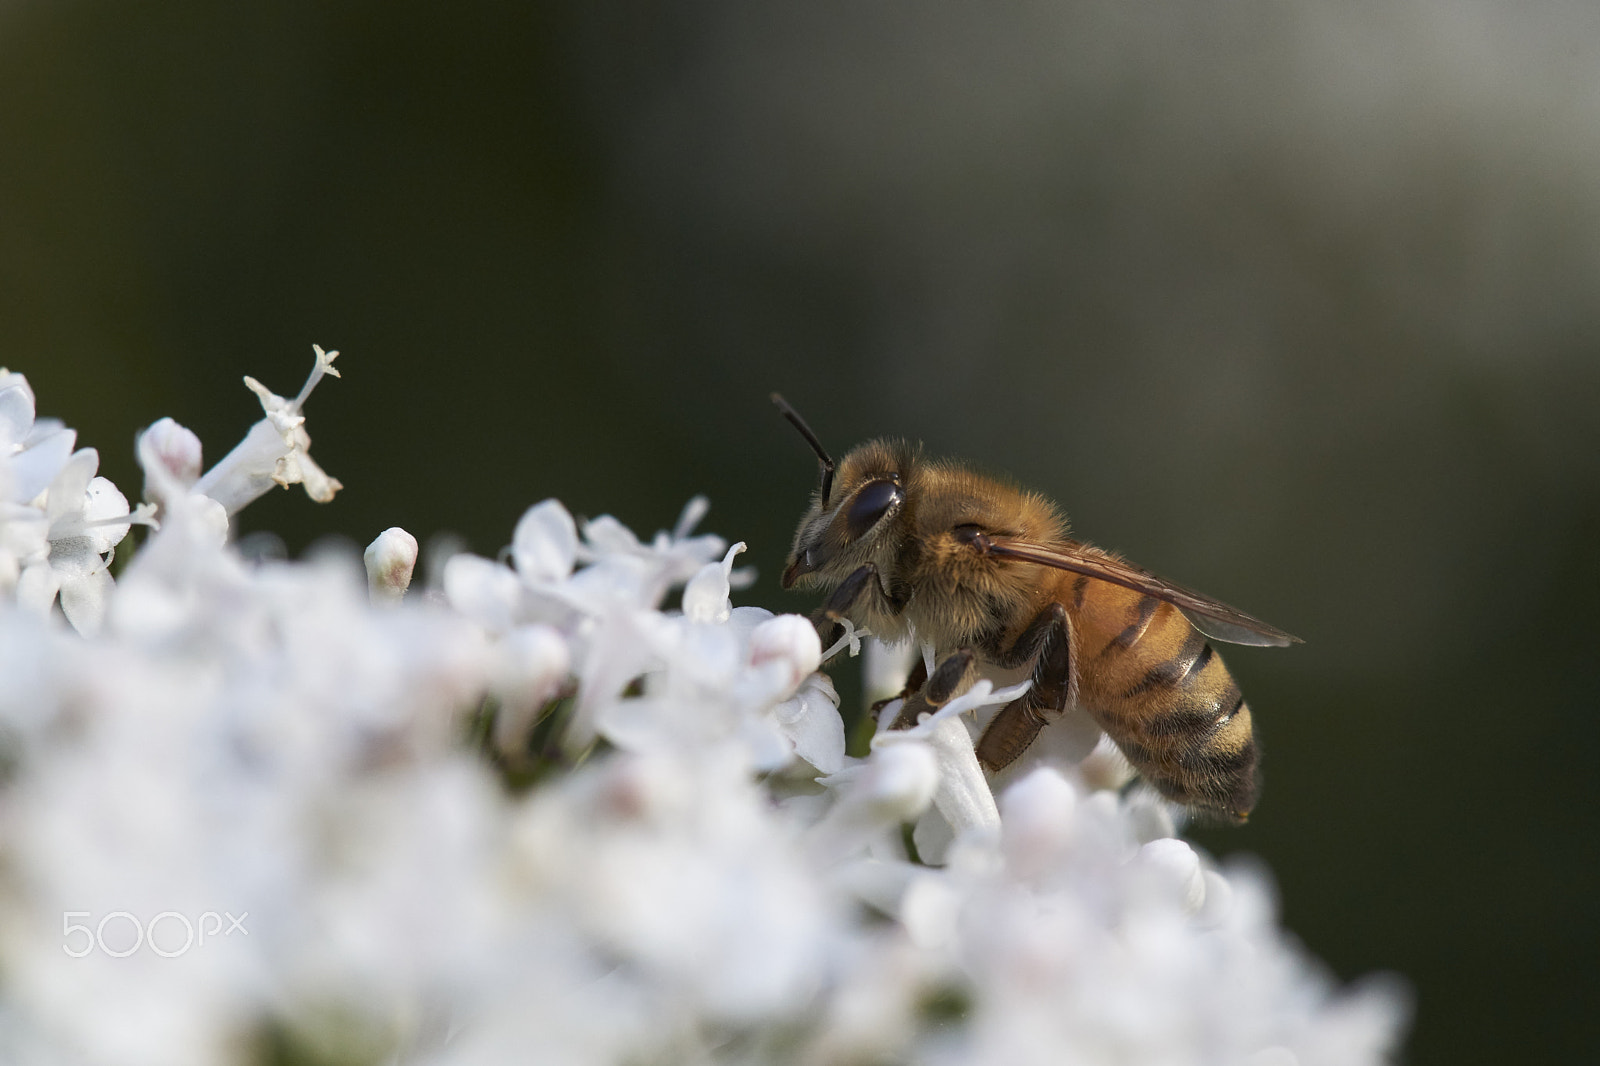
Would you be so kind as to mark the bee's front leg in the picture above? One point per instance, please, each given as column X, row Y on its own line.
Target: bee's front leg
column 859, row 595
column 864, row 581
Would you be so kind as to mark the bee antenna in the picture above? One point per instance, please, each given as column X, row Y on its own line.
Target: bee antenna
column 811, row 438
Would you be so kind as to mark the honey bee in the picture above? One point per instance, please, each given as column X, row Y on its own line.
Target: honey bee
column 985, row 572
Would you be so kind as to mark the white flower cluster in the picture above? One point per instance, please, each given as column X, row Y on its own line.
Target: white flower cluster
column 59, row 523
column 286, row 812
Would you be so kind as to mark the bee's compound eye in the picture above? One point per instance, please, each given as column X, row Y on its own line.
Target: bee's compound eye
column 872, row 501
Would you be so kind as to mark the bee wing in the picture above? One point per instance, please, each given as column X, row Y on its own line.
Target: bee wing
column 1212, row 617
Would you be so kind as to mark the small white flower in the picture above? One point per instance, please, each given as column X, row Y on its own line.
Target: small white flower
column 88, row 517
column 643, row 572
column 276, row 450
column 32, row 455
column 964, row 802
column 895, row 784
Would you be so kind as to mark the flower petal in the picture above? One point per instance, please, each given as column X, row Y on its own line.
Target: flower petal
column 33, row 469
column 104, row 504
column 545, row 543
column 605, row 534
column 37, row 588
column 69, row 490
column 812, row 723
column 83, row 599
column 319, row 484
column 246, row 472
column 16, row 412
column 482, row 590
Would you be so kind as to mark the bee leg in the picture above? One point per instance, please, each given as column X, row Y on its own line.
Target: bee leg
column 828, row 617
column 948, row 676
column 1048, row 642
column 862, row 585
column 914, row 683
column 849, row 591
column 947, row 679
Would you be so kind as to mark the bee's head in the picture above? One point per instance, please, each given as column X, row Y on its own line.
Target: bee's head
column 850, row 514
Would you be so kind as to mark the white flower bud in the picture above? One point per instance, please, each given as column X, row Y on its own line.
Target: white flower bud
column 390, row 559
column 534, row 662
column 790, row 641
column 899, row 782
column 1173, row 865
column 1036, row 819
column 170, row 455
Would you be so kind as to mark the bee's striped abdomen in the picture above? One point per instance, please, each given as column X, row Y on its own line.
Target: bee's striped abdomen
column 1158, row 687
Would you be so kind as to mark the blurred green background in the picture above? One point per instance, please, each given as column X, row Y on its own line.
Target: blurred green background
column 1296, row 303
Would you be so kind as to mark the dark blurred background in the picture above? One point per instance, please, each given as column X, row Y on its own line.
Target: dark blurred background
column 1295, row 303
